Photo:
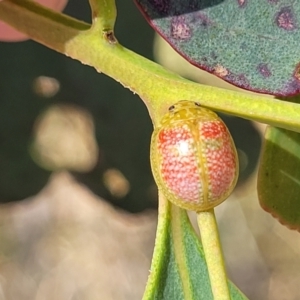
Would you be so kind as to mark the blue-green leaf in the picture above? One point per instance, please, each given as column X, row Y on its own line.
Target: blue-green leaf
column 251, row 44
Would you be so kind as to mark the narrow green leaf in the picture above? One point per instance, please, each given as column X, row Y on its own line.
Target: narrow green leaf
column 178, row 268
column 279, row 176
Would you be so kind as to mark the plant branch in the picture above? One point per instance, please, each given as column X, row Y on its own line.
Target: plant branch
column 158, row 87
column 104, row 14
column 213, row 254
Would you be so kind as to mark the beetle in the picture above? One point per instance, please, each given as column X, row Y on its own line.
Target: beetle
column 193, row 157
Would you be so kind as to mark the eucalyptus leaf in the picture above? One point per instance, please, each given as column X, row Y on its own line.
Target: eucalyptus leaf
column 251, row 44
column 179, row 268
column 279, row 176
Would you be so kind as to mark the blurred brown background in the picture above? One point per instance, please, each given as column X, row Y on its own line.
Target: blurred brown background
column 78, row 212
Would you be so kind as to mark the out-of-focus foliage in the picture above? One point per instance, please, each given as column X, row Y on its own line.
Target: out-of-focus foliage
column 36, row 80
column 279, row 172
column 68, row 243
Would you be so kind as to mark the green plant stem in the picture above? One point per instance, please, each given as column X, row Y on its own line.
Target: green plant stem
column 213, row 254
column 104, row 14
column 158, row 87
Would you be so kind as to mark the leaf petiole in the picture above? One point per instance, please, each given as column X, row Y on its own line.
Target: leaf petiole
column 213, row 254
column 104, row 14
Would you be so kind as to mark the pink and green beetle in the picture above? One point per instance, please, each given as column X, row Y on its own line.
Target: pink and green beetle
column 193, row 157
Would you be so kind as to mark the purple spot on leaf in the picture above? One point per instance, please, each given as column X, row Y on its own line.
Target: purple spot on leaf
column 204, row 20
column 244, row 82
column 285, row 19
column 297, row 72
column 264, row 70
column 242, row 3
column 292, row 87
column 240, row 80
column 180, row 30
